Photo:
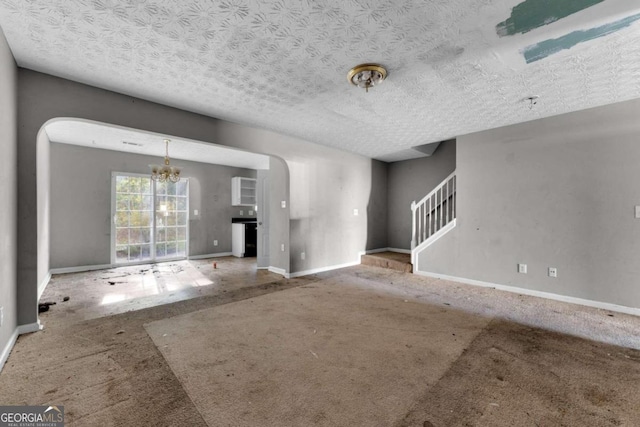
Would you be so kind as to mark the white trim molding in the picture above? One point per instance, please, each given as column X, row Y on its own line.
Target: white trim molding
column 430, row 241
column 547, row 295
column 397, row 250
column 280, row 271
column 20, row 330
column 29, row 328
column 323, row 269
column 65, row 270
column 216, row 255
column 43, row 285
column 6, row 351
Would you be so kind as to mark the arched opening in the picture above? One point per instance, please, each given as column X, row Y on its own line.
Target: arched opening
column 77, row 158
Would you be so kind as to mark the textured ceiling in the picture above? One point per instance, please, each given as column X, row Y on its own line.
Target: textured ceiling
column 455, row 66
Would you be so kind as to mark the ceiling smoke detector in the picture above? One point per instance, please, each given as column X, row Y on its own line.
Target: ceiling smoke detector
column 367, row 75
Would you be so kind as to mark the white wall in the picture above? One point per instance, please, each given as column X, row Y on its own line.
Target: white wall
column 8, row 197
column 81, row 203
column 325, row 184
column 556, row 192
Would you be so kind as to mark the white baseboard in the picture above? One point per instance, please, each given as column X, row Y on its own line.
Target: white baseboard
column 216, row 255
column 7, row 348
column 279, row 271
column 31, row 327
column 65, row 270
column 523, row 291
column 323, row 269
column 43, row 285
column 22, row 329
column 397, row 250
column 430, row 241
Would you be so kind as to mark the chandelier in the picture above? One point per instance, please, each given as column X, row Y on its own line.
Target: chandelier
column 367, row 75
column 165, row 172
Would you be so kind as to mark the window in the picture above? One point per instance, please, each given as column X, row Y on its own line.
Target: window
column 140, row 235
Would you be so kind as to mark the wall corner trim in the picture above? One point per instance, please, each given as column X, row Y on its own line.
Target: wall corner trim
column 29, row 328
column 547, row 295
column 6, row 351
column 279, row 271
column 42, row 286
column 22, row 329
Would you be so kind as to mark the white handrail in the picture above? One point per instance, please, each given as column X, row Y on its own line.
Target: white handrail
column 434, row 190
column 434, row 211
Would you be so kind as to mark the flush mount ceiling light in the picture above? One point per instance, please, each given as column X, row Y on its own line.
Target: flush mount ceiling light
column 367, row 75
column 165, row 172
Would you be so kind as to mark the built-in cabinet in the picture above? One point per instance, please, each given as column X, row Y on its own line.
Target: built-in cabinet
column 243, row 191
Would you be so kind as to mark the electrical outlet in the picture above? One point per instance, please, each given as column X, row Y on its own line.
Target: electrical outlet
column 522, row 268
column 195, row 212
column 250, row 212
column 241, row 212
column 215, row 243
column 283, row 204
column 553, row 272
column 355, row 212
column 282, row 247
column 303, row 255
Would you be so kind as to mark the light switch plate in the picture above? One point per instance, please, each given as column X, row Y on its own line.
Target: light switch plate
column 283, row 204
column 282, row 247
column 215, row 243
column 241, row 213
column 355, row 212
column 250, row 212
column 195, row 212
column 522, row 268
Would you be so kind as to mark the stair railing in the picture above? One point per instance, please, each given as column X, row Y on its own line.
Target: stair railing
column 434, row 211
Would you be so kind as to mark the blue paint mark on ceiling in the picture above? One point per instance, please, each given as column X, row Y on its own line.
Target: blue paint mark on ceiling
column 549, row 47
column 532, row 14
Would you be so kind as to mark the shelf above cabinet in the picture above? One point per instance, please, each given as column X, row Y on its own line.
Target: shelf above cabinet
column 243, row 191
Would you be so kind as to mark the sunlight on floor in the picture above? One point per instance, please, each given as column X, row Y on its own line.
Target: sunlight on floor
column 157, row 280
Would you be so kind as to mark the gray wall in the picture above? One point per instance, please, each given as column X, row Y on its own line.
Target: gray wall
column 8, row 187
column 411, row 180
column 556, row 192
column 81, row 203
column 325, row 184
column 377, row 219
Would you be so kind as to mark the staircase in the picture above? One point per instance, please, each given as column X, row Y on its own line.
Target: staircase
column 433, row 216
column 392, row 260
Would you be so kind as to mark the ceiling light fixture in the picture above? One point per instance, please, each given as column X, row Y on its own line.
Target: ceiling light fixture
column 367, row 75
column 165, row 172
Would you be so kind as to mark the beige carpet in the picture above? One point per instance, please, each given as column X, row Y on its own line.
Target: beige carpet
column 327, row 355
column 514, row 375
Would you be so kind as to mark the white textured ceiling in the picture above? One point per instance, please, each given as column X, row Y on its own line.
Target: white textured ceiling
column 96, row 135
column 282, row 65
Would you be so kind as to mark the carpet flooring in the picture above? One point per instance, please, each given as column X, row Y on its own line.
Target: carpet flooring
column 358, row 346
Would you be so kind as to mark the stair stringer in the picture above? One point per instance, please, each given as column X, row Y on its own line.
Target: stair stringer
column 430, row 241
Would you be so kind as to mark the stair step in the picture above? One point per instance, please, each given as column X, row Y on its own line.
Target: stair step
column 391, row 260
